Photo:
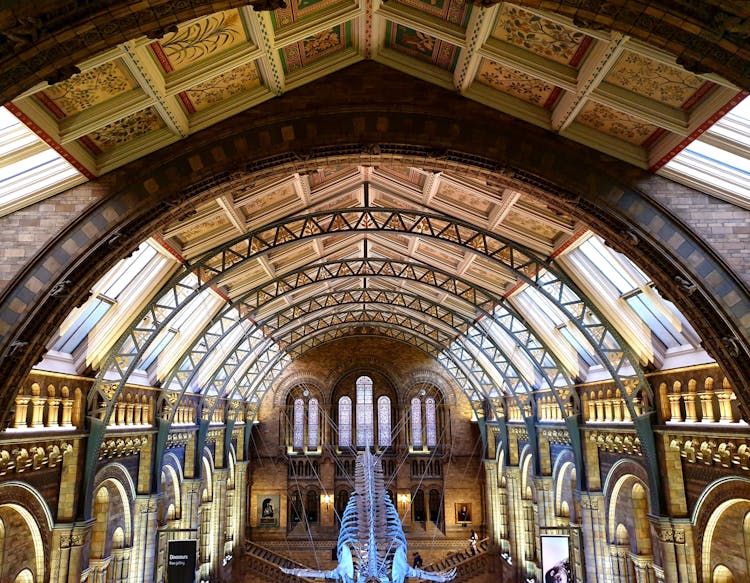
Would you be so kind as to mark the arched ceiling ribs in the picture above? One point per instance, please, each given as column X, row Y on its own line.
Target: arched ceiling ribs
column 258, row 387
column 514, row 381
column 212, row 267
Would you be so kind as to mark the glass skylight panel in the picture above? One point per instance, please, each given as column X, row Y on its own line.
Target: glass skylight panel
column 603, row 260
column 650, row 314
column 29, row 169
column 92, row 313
column 719, row 161
column 156, row 348
column 128, row 270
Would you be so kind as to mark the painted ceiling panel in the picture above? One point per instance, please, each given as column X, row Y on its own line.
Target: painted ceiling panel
column 124, row 131
column 422, row 46
column 240, row 80
column 89, row 88
column 616, row 123
column 199, row 40
column 540, row 35
column 315, row 47
column 517, row 84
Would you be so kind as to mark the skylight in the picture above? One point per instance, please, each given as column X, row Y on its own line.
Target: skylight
column 718, row 163
column 30, row 170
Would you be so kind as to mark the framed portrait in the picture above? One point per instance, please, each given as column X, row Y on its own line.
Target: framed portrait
column 463, row 512
column 268, row 509
column 556, row 559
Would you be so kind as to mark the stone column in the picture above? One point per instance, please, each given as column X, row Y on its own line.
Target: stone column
column 619, row 560
column 491, row 502
column 598, row 566
column 67, row 556
column 37, row 406
column 53, row 407
column 143, row 554
column 643, row 571
column 67, row 408
column 22, row 410
column 675, row 538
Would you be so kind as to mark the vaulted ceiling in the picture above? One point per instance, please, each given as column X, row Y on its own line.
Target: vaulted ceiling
column 377, row 242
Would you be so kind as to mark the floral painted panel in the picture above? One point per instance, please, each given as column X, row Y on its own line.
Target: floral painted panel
column 516, row 83
column 312, row 48
column 657, row 81
column 454, row 11
column 618, row 124
column 296, row 10
column 200, row 39
column 86, row 89
column 541, row 36
column 239, row 80
column 125, row 130
column 421, row 46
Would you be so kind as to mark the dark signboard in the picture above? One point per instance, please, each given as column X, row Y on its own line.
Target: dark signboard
column 181, row 560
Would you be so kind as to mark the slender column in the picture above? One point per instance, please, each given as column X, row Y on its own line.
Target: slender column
column 643, row 571
column 143, row 553
column 68, row 543
column 725, row 403
column 619, row 559
column 53, row 407
column 691, row 414
column 67, row 407
column 707, row 401
column 490, row 490
column 22, row 410
column 37, row 406
column 598, row 564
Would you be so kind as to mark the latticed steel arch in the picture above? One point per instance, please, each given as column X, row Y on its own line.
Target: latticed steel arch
column 513, row 258
column 182, row 376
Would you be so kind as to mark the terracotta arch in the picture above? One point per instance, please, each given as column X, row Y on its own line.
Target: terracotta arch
column 325, row 123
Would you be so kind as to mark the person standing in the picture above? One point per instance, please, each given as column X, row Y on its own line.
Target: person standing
column 417, row 563
column 473, row 542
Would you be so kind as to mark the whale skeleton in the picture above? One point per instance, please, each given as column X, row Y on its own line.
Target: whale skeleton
column 371, row 545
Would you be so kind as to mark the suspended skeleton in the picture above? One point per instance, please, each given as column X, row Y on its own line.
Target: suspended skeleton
column 371, row 545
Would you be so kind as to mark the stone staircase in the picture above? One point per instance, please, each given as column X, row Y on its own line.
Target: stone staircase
column 261, row 565
column 469, row 567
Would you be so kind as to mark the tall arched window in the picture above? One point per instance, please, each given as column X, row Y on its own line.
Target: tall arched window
column 424, row 418
column 365, row 425
column 312, row 423
column 430, row 422
column 299, row 424
column 384, row 421
column 345, row 422
column 312, row 505
column 416, row 422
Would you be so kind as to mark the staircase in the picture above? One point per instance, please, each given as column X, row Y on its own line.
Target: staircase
column 468, row 567
column 261, row 564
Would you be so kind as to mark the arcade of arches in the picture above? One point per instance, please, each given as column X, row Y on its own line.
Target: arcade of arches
column 294, row 232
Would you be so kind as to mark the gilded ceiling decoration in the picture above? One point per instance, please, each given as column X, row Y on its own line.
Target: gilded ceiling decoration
column 313, row 48
column 532, row 225
column 205, row 227
column 540, row 35
column 242, row 79
column 517, row 84
column 464, row 199
column 297, row 10
column 517, row 61
column 199, row 40
column 454, row 11
column 421, row 46
column 657, row 81
column 87, row 89
column 126, row 130
column 616, row 123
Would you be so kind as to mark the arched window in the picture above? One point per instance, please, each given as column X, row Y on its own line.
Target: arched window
column 424, row 418
column 312, row 423
column 345, row 422
column 384, row 421
column 312, row 505
column 299, row 424
column 342, row 499
column 435, row 506
column 365, row 425
column 416, row 422
column 295, row 508
column 430, row 422
column 417, row 505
